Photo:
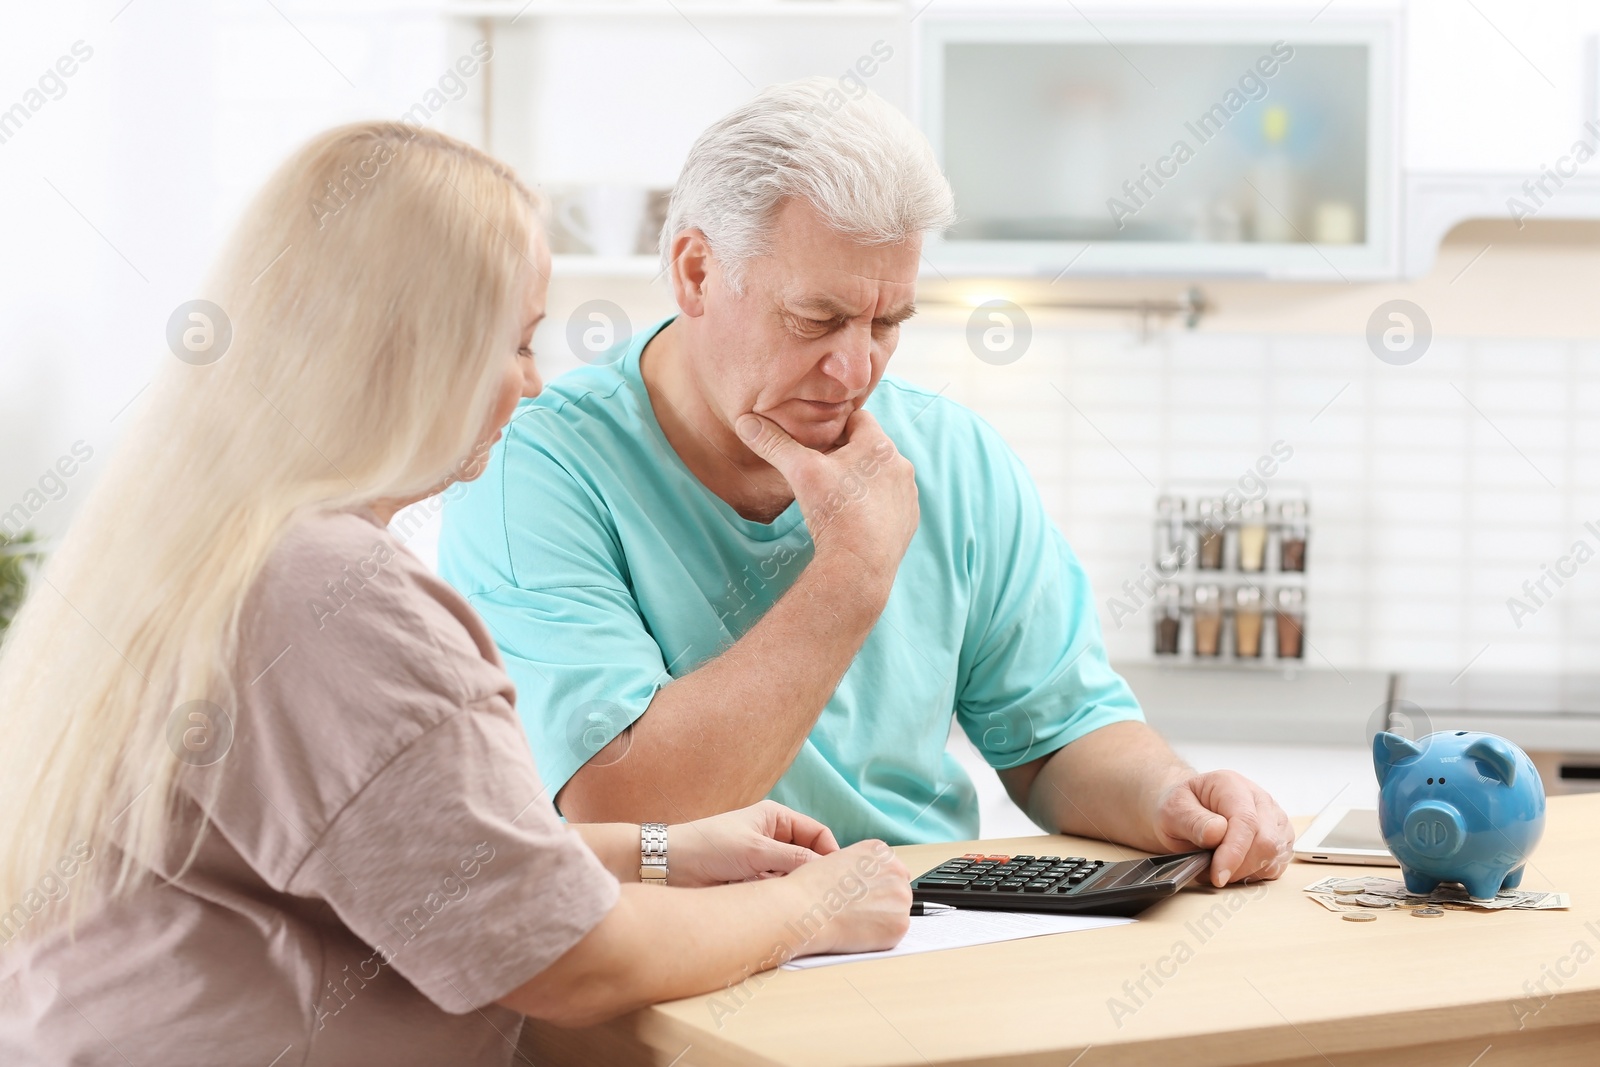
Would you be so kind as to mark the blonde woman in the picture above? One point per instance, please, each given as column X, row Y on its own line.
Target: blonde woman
column 266, row 799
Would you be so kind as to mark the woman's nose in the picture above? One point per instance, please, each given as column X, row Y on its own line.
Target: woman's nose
column 532, row 384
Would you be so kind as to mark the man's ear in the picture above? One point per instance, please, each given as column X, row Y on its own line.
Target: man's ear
column 689, row 270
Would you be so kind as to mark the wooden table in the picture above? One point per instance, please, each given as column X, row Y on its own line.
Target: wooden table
column 1243, row 975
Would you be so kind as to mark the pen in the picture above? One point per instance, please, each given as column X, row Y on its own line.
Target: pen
column 919, row 907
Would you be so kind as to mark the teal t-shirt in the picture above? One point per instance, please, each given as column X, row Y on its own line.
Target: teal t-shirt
column 604, row 569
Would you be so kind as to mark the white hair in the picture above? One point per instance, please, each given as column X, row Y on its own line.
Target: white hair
column 858, row 161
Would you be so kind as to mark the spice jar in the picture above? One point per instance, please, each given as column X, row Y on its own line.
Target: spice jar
column 1291, row 623
column 1212, row 532
column 1292, row 535
column 1247, row 622
column 1207, row 620
column 1253, row 536
column 1170, row 546
column 1169, row 619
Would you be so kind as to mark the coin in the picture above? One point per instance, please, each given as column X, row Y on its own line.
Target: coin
column 1428, row 913
column 1348, row 890
column 1360, row 917
column 1367, row 900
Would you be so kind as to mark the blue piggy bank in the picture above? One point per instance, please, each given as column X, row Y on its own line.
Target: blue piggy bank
column 1458, row 806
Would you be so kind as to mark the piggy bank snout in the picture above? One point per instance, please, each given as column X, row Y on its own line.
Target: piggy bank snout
column 1435, row 829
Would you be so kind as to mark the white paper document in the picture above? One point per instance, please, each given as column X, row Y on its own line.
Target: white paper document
column 958, row 929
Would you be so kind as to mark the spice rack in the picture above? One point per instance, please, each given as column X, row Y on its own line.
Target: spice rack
column 1230, row 577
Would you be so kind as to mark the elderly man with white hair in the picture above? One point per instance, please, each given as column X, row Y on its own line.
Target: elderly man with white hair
column 736, row 560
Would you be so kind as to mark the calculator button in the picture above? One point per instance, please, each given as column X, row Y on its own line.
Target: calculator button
column 1012, row 885
column 1024, row 859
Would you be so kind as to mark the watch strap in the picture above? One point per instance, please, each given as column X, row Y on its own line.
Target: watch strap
column 653, row 853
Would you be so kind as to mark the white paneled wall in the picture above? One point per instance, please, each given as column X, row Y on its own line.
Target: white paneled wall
column 1436, row 489
column 1428, row 483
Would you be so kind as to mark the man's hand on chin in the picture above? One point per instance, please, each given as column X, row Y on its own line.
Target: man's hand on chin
column 1249, row 835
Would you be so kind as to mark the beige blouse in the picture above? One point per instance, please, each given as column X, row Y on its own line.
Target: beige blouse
column 383, row 862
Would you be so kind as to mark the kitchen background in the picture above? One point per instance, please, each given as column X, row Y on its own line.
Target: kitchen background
column 1393, row 151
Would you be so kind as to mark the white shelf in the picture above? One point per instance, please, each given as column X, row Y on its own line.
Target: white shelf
column 1436, row 202
column 678, row 9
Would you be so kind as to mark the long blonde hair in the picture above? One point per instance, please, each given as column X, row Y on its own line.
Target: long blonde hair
column 372, row 290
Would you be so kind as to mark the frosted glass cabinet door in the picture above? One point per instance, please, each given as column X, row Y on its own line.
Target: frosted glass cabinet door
column 1211, row 146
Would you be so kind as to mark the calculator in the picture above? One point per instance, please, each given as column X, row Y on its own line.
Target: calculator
column 1057, row 884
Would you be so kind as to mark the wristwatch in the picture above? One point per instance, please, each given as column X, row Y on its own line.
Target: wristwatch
column 653, row 853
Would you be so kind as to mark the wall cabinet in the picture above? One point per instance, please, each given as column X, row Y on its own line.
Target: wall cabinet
column 1136, row 139
column 1190, row 146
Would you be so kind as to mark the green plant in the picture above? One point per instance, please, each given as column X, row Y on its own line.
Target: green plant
column 17, row 557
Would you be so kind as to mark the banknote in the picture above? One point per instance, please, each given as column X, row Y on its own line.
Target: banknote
column 1374, row 891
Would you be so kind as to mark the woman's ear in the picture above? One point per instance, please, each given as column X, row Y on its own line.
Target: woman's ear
column 689, row 269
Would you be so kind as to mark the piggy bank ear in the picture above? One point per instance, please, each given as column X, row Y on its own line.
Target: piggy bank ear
column 1389, row 749
column 1497, row 755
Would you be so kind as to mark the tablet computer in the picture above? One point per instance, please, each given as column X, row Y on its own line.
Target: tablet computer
column 1345, row 832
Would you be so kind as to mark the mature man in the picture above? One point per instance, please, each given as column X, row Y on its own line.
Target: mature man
column 737, row 561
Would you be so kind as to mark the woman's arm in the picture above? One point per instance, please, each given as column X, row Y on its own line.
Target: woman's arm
column 763, row 839
column 662, row 943
column 617, row 846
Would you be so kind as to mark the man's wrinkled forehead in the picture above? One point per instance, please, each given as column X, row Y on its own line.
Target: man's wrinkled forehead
column 841, row 293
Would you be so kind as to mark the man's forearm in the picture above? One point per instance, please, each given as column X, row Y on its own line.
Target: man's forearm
column 720, row 737
column 1107, row 784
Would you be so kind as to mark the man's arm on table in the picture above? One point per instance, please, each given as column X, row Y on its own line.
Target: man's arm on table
column 720, row 737
column 1124, row 783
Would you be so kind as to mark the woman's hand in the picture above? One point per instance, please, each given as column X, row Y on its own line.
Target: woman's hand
column 856, row 900
column 760, row 841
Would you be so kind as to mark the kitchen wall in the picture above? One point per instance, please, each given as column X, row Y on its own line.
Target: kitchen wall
column 1436, row 488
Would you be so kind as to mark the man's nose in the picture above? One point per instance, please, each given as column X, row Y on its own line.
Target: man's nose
column 850, row 362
